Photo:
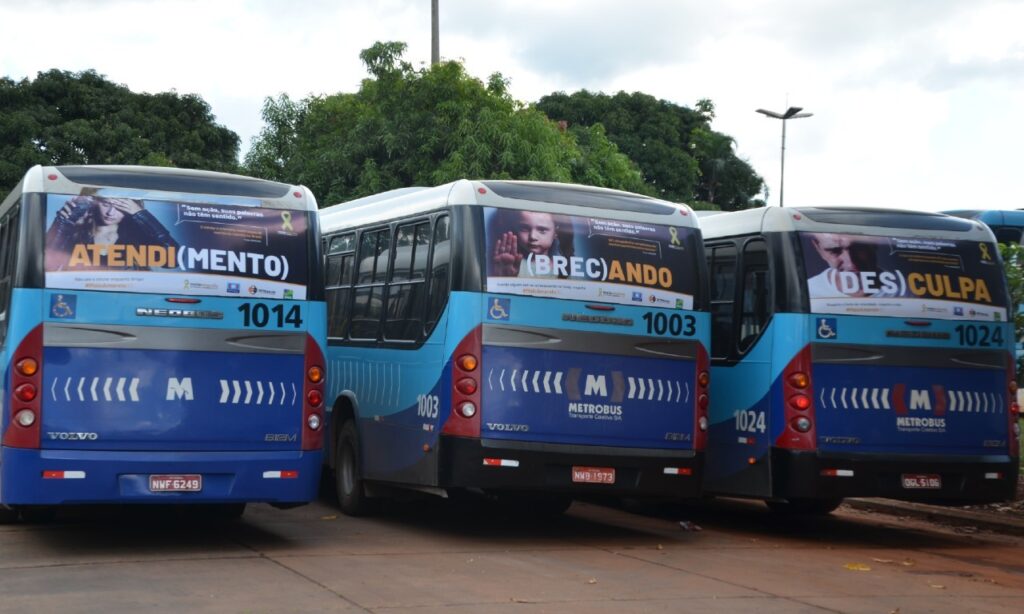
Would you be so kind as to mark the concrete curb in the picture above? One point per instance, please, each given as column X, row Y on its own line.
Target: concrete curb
column 991, row 521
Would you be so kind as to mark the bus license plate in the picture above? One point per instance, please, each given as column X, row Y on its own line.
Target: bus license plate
column 175, row 483
column 930, row 481
column 593, row 475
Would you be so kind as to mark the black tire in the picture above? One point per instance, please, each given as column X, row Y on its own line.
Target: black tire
column 348, row 474
column 804, row 507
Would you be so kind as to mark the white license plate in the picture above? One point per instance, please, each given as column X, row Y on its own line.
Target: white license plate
column 922, row 481
column 175, row 483
column 593, row 475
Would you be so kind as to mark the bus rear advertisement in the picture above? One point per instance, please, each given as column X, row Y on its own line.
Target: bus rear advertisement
column 163, row 334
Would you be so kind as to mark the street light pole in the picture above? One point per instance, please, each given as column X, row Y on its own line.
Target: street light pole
column 435, row 43
column 790, row 113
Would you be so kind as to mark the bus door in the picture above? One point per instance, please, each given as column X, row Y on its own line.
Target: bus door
column 742, row 409
column 184, row 329
column 590, row 334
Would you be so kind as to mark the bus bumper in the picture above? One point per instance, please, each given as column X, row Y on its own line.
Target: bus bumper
column 823, row 475
column 56, row 477
column 548, row 468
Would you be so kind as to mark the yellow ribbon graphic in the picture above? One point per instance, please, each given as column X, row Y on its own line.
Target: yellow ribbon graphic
column 984, row 251
column 672, row 230
column 286, row 221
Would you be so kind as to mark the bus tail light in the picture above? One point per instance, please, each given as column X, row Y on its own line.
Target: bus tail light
column 464, row 415
column 313, row 394
column 798, row 406
column 1013, row 436
column 700, row 407
column 25, row 413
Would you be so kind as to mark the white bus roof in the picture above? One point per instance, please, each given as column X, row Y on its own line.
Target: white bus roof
column 557, row 198
column 894, row 222
column 161, row 182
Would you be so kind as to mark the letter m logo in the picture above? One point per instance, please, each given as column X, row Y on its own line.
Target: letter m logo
column 596, row 384
column 179, row 389
column 919, row 399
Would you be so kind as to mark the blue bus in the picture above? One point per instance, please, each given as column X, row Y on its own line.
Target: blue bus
column 530, row 341
column 858, row 352
column 1007, row 225
column 162, row 336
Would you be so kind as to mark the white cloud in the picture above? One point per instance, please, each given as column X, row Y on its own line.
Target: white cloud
column 915, row 103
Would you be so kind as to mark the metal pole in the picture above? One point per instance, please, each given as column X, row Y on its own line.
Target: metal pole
column 435, row 43
column 782, row 171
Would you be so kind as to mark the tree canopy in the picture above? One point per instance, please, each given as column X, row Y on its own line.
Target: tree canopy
column 82, row 118
column 679, row 154
column 426, row 126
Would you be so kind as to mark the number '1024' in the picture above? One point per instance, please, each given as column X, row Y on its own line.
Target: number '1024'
column 259, row 315
column 982, row 336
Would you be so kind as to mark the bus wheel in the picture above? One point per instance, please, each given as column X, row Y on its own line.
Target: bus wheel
column 348, row 475
column 804, row 507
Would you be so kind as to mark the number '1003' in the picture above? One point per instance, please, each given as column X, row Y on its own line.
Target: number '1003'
column 672, row 324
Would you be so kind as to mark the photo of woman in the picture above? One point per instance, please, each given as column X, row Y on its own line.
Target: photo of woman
column 94, row 220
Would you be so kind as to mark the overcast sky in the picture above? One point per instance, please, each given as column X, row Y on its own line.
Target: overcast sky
column 917, row 103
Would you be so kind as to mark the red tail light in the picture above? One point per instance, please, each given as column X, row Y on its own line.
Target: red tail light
column 24, row 409
column 799, row 432
column 313, row 393
column 1013, row 409
column 464, row 415
column 700, row 405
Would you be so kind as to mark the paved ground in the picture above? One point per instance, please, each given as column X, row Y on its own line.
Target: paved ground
column 431, row 556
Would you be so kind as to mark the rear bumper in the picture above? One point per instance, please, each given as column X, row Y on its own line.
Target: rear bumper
column 123, row 477
column 965, row 480
column 544, row 467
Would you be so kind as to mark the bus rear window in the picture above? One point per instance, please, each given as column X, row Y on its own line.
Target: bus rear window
column 533, row 253
column 137, row 244
column 903, row 276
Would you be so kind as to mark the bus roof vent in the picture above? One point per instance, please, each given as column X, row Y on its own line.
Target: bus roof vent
column 580, row 196
column 918, row 220
column 175, row 180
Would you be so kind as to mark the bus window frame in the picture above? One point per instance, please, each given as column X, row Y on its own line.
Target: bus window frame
column 433, row 219
column 740, row 245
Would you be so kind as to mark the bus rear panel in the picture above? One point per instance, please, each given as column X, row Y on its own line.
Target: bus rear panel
column 179, row 363
column 896, row 381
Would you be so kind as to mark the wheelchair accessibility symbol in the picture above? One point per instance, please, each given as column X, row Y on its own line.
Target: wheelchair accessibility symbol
column 500, row 309
column 827, row 328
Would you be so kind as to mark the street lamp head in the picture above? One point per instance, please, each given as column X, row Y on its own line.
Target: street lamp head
column 791, row 111
column 770, row 113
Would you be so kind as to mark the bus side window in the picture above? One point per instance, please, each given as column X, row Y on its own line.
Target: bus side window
column 407, row 291
column 338, row 282
column 8, row 256
column 722, row 265
column 368, row 300
column 438, row 280
column 756, row 293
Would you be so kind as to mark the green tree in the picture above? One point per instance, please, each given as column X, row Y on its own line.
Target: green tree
column 429, row 126
column 679, row 154
column 62, row 117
